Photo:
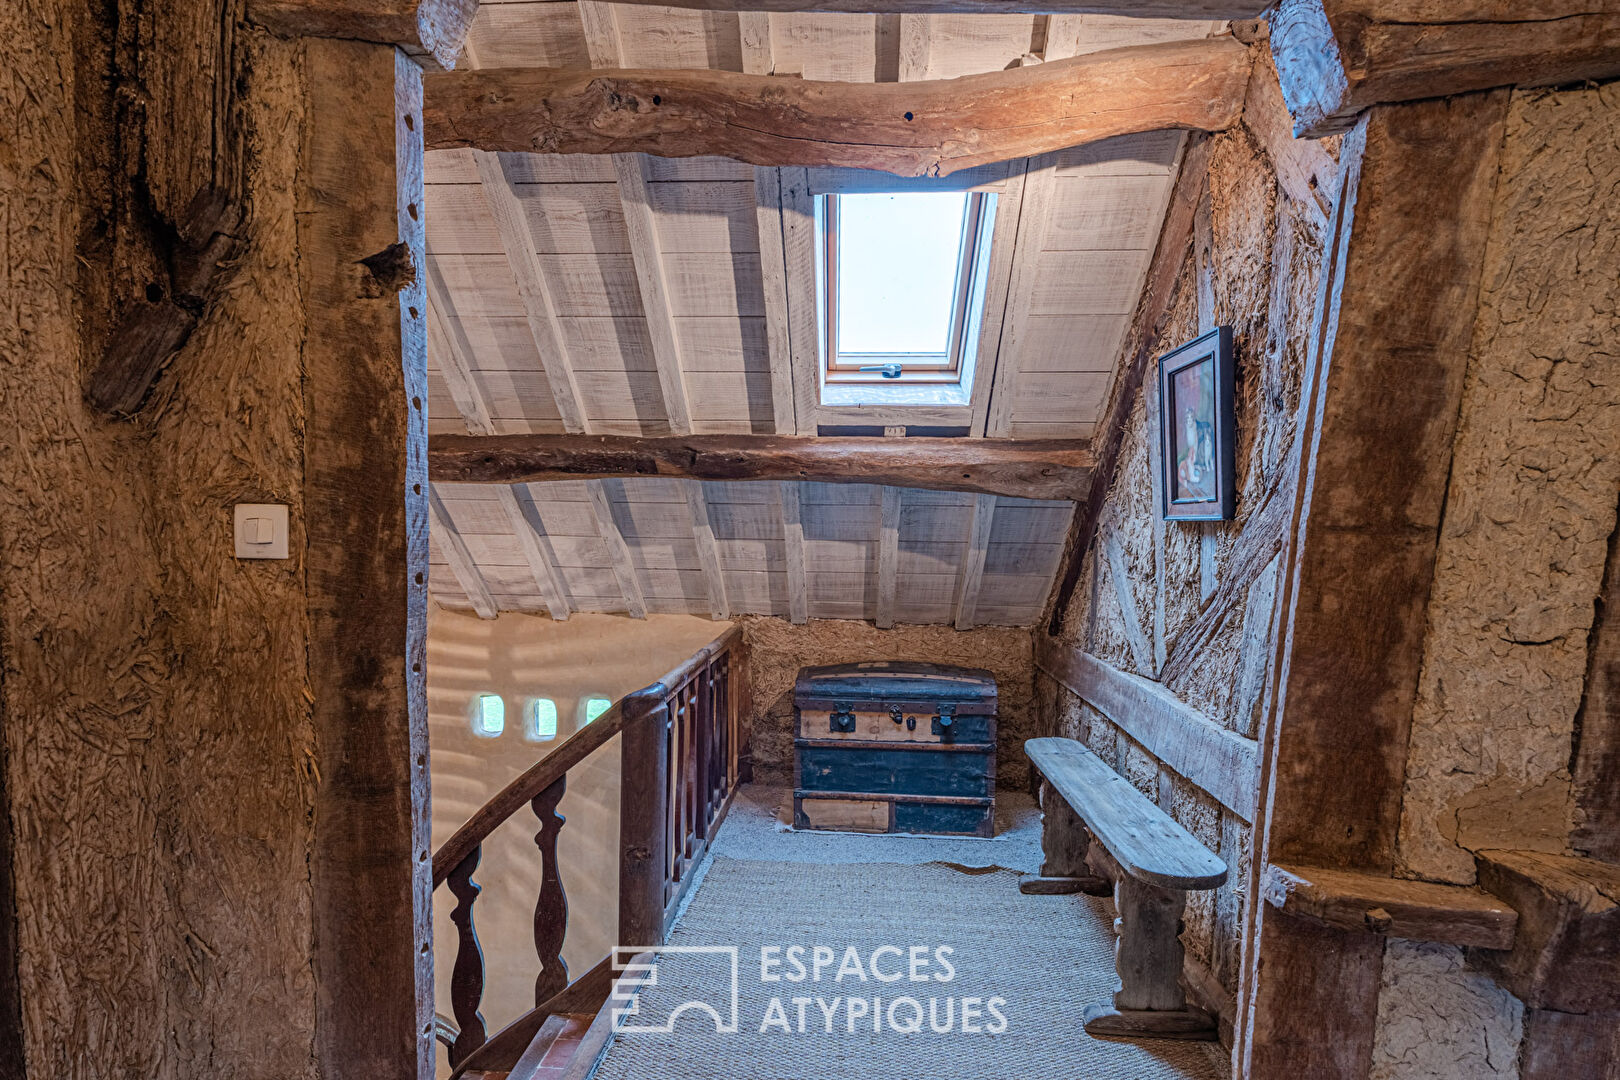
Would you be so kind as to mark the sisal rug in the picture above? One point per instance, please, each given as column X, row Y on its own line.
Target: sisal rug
column 1000, row 982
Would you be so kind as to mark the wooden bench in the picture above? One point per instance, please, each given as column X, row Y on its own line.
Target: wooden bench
column 1152, row 861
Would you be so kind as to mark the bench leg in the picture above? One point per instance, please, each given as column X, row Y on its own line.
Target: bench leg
column 1064, row 842
column 1148, row 957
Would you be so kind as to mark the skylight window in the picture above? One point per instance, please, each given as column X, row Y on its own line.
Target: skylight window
column 902, row 284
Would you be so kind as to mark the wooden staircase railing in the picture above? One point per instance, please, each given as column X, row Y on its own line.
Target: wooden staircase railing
column 684, row 751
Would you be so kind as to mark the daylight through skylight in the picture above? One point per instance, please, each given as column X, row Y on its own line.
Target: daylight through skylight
column 897, row 271
column 900, row 282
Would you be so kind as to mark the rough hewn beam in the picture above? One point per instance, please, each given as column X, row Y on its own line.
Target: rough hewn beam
column 624, row 567
column 1393, row 907
column 1030, row 469
column 1396, row 306
column 1146, row 9
column 365, row 564
column 426, row 29
column 1337, row 57
column 930, row 128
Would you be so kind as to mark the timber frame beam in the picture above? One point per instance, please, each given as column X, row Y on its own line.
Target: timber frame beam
column 930, row 128
column 1033, row 469
column 430, row 31
column 1335, row 58
column 1146, row 9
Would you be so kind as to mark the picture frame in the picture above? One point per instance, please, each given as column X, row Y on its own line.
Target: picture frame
column 1196, row 420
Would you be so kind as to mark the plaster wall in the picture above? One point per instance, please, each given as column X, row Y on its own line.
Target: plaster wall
column 778, row 649
column 1254, row 266
column 156, row 719
column 1531, row 504
column 520, row 658
column 1529, row 515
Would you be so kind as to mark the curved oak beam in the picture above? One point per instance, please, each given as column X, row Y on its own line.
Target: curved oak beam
column 1026, row 469
column 1140, row 9
column 929, row 128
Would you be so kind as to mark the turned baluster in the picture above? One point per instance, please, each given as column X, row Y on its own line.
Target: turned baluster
column 551, row 909
column 702, row 783
column 721, row 696
column 467, row 977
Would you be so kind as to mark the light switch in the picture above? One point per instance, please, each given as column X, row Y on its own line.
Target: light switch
column 261, row 531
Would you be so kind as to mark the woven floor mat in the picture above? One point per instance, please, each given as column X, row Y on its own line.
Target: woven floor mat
column 1024, row 964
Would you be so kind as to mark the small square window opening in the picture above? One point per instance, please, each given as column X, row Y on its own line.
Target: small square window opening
column 593, row 707
column 489, row 715
column 542, row 720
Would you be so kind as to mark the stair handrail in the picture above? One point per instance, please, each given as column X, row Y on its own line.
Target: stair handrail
column 674, row 791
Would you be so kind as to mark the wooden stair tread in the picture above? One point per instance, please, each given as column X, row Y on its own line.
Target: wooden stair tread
column 1147, row 843
column 552, row 1049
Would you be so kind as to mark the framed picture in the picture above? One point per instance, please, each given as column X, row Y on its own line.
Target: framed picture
column 1195, row 429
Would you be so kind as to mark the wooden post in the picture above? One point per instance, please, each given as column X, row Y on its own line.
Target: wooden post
column 643, row 795
column 1396, row 308
column 361, row 251
column 11, row 1030
column 1148, row 958
column 1064, row 843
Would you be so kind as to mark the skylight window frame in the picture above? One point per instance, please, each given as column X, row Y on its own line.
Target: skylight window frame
column 916, row 368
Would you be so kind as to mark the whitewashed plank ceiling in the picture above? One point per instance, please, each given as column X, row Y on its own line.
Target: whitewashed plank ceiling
column 648, row 297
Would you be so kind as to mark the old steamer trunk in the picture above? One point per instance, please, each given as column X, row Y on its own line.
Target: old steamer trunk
column 895, row 747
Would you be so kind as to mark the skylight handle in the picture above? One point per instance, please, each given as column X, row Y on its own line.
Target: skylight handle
column 890, row 371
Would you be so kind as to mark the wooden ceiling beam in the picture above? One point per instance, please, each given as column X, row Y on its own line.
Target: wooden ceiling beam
column 773, row 273
column 787, row 504
column 929, row 128
column 624, row 568
column 708, row 551
column 531, row 541
column 449, row 346
column 888, row 562
column 1337, row 57
column 1141, row 9
column 1026, row 469
column 972, row 576
column 605, row 47
column 641, row 226
column 462, row 564
column 517, row 242
column 431, row 31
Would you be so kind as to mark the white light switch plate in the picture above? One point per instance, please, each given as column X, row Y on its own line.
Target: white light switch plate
column 261, row 531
